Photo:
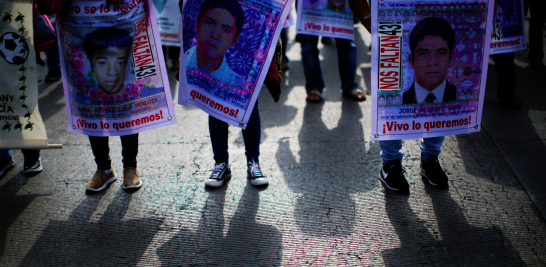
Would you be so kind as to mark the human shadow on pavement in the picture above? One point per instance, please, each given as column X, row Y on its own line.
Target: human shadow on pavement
column 12, row 205
column 456, row 244
column 328, row 171
column 247, row 242
column 111, row 241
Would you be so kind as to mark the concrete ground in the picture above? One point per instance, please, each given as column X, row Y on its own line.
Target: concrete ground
column 324, row 205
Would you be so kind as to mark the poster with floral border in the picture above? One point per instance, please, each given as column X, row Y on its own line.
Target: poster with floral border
column 21, row 125
column 227, row 50
column 114, row 74
column 429, row 67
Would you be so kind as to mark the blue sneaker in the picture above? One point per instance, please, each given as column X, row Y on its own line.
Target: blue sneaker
column 6, row 164
column 221, row 173
column 255, row 174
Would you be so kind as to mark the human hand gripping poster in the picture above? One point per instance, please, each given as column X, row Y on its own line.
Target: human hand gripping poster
column 227, row 50
column 331, row 18
column 431, row 70
column 508, row 32
column 114, row 74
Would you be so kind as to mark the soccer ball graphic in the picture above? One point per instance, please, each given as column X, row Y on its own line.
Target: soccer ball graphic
column 13, row 48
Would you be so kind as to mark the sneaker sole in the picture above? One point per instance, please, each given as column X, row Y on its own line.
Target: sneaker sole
column 132, row 186
column 260, row 181
column 389, row 187
column 10, row 165
column 39, row 169
column 428, row 179
column 215, row 183
column 103, row 186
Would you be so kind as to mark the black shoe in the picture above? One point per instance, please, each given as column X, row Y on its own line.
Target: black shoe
column 392, row 176
column 32, row 165
column 512, row 102
column 6, row 164
column 255, row 174
column 53, row 76
column 434, row 172
column 221, row 173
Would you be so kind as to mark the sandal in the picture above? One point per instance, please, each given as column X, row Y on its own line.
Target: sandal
column 317, row 96
column 356, row 95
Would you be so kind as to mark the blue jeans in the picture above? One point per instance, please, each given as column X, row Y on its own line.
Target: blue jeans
column 219, row 137
column 346, row 57
column 6, row 153
column 390, row 150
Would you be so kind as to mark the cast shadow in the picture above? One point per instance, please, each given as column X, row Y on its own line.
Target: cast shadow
column 12, row 205
column 246, row 243
column 328, row 171
column 456, row 244
column 111, row 241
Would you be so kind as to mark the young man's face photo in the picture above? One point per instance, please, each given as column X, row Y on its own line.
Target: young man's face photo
column 431, row 62
column 109, row 68
column 216, row 33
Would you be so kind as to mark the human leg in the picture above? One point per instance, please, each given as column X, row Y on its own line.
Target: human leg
column 311, row 66
column 536, row 27
column 251, row 136
column 129, row 151
column 346, row 57
column 33, row 162
column 6, row 161
column 104, row 174
column 53, row 63
column 219, row 131
column 506, row 80
column 284, row 39
column 392, row 173
column 430, row 165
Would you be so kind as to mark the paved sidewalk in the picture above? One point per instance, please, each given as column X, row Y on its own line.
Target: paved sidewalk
column 324, row 205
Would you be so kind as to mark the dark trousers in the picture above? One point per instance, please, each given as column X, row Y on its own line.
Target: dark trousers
column 251, row 135
column 506, row 75
column 536, row 27
column 101, row 151
column 284, row 40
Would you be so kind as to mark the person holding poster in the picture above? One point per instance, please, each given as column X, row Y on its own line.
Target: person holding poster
column 215, row 46
column 331, row 18
column 435, row 59
column 114, row 79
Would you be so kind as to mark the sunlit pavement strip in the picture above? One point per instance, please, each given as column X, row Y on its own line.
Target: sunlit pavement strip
column 324, row 205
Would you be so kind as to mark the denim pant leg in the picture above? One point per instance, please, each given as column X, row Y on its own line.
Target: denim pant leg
column 5, row 154
column 390, row 150
column 218, row 131
column 431, row 146
column 252, row 135
column 311, row 63
column 346, row 58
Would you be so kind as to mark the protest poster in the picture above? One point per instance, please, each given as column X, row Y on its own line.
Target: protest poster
column 22, row 125
column 508, row 33
column 330, row 18
column 431, row 70
column 227, row 50
column 167, row 14
column 114, row 75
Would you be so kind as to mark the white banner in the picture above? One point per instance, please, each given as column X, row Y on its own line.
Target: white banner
column 331, row 18
column 167, row 14
column 20, row 120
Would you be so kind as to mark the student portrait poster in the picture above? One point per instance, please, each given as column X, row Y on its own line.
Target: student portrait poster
column 114, row 75
column 431, row 70
column 167, row 14
column 228, row 46
column 508, row 33
column 21, row 125
column 331, row 18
